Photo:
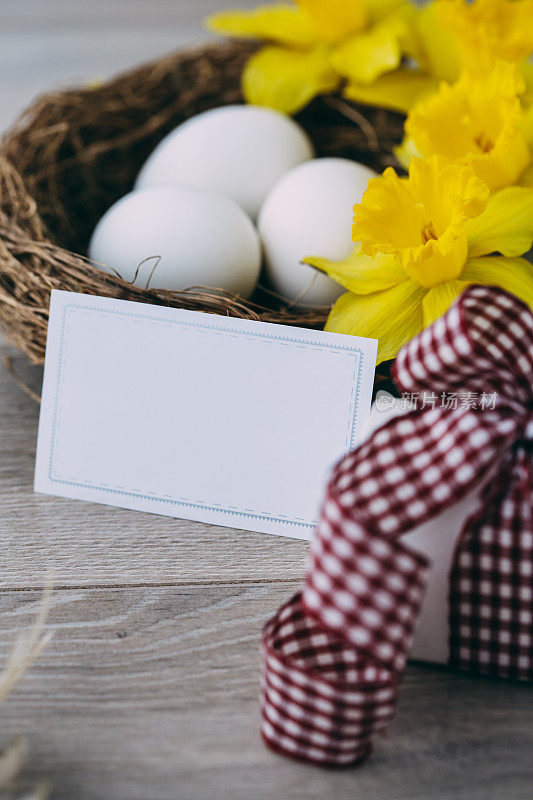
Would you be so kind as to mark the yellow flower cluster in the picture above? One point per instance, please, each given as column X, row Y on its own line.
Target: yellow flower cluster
column 461, row 69
column 316, row 45
column 383, row 52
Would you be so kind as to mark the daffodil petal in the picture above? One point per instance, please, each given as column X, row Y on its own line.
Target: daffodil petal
column 335, row 20
column 506, row 225
column 366, row 56
column 392, row 316
column 398, row 90
column 381, row 9
column 280, row 23
column 526, row 178
column 515, row 275
column 437, row 52
column 361, row 274
column 527, row 126
column 439, row 299
column 527, row 72
column 405, row 152
column 287, row 80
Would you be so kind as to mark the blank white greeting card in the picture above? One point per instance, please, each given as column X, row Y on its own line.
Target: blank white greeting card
column 192, row 415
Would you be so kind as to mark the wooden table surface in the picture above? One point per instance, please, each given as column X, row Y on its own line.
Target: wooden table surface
column 148, row 690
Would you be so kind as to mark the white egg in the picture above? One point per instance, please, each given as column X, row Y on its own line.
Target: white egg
column 241, row 151
column 310, row 213
column 191, row 236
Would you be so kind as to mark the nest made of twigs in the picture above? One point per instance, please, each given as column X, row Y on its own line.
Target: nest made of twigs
column 75, row 152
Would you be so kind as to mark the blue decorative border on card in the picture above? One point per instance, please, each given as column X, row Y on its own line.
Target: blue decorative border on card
column 260, row 335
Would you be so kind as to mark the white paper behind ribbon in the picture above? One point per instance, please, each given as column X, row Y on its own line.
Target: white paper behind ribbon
column 194, row 415
column 437, row 540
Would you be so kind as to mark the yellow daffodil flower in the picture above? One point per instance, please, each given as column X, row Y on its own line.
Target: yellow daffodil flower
column 314, row 45
column 447, row 37
column 478, row 121
column 421, row 241
column 489, row 29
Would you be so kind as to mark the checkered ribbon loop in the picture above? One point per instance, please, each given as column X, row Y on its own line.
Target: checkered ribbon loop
column 333, row 656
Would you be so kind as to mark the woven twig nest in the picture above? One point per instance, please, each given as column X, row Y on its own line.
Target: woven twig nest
column 75, row 152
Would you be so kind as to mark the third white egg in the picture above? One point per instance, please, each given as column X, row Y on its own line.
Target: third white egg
column 238, row 150
column 310, row 213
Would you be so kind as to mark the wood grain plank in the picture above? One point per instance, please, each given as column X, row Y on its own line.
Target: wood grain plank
column 151, row 693
column 89, row 545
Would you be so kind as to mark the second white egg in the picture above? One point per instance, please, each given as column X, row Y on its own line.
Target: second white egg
column 310, row 213
column 191, row 237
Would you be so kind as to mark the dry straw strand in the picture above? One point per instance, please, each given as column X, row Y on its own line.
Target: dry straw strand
column 27, row 648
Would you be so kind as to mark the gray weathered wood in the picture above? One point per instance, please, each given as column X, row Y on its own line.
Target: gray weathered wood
column 151, row 692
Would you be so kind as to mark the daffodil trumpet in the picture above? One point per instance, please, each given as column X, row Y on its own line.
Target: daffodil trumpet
column 421, row 241
column 478, row 121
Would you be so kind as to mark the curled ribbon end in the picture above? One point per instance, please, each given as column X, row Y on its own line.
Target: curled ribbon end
column 322, row 702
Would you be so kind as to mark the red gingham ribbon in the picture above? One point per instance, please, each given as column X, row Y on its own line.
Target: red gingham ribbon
column 333, row 656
